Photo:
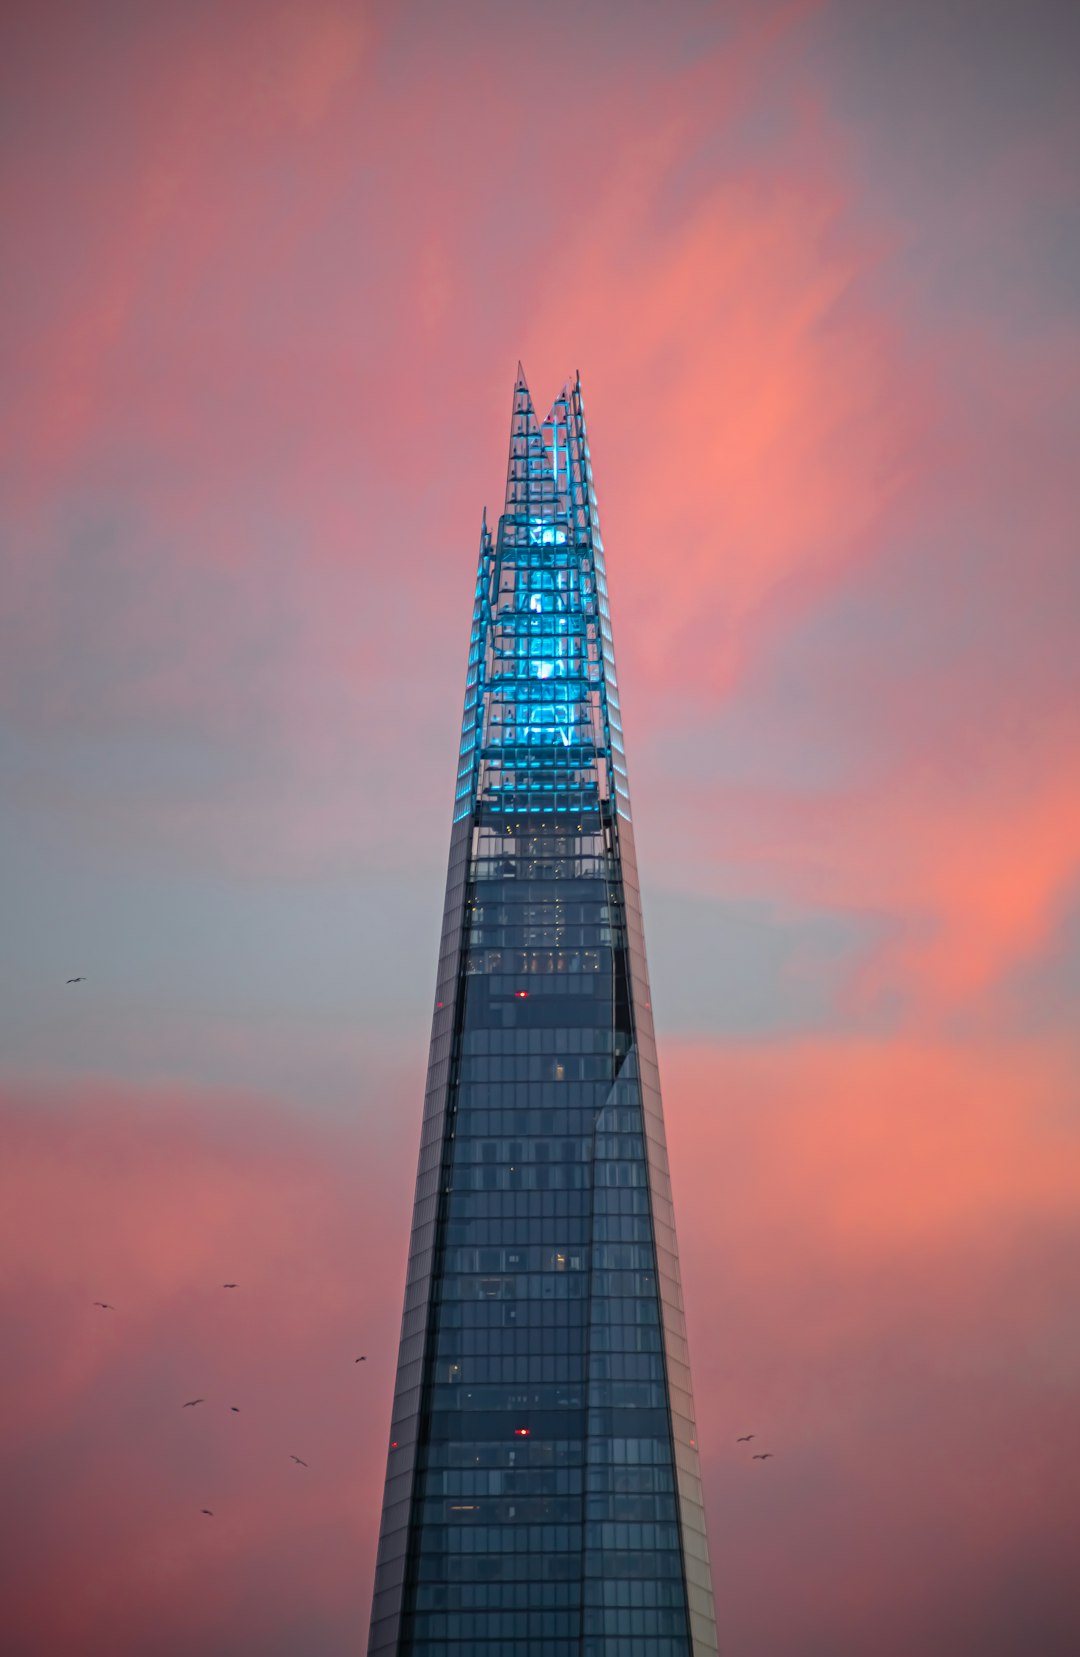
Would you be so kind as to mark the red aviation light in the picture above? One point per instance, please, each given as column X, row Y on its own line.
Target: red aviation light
column 521, row 995
column 521, row 1432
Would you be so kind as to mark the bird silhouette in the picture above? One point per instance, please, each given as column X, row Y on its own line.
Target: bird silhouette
column 768, row 1456
column 190, row 1405
column 106, row 1305
column 362, row 1360
column 235, row 1408
column 80, row 980
column 208, row 1512
column 298, row 1462
column 230, row 1285
column 745, row 1438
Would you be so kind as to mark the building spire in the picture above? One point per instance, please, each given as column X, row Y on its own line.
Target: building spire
column 542, row 1183
column 526, row 465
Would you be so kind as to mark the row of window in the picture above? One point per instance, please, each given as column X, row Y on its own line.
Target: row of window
column 509, row 1402
column 606, row 1536
column 558, row 1145
column 529, row 1108
column 525, row 633
column 533, row 1509
column 499, row 948
column 519, row 1214
column 545, row 1150
column 637, row 1257
column 512, row 1338
column 596, row 1038
column 517, row 905
column 540, row 1134
column 598, row 1646
column 621, row 1217
column 505, row 1510
column 533, row 1257
column 497, row 1539
column 550, row 1480
column 622, row 1149
column 505, row 1210
column 631, row 1481
column 522, row 1596
column 628, row 1177
column 634, row 1593
column 571, row 851
column 619, row 1645
column 567, row 939
column 579, row 1067
column 433, row 1566
column 478, row 1371
column 510, row 1341
column 517, row 1326
column 495, row 1648
column 547, row 1176
column 621, row 1309
column 499, row 1596
column 549, row 1285
column 623, row 1394
column 513, row 1453
column 481, row 1369
column 499, row 1314
column 533, row 1250
column 469, row 1482
column 552, row 1284
column 499, row 866
column 566, row 972
column 524, row 1626
column 512, row 781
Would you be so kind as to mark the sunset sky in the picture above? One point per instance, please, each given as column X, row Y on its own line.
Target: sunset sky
column 269, row 269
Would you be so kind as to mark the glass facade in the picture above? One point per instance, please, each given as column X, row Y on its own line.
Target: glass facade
column 542, row 1490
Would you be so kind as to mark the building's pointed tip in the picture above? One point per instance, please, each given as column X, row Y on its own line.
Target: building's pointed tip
column 523, row 401
column 527, row 461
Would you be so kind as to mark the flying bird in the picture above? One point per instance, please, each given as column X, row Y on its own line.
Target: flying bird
column 208, row 1512
column 230, row 1285
column 106, row 1305
column 298, row 1462
column 745, row 1438
column 80, row 980
column 362, row 1360
column 235, row 1408
column 190, row 1405
column 768, row 1456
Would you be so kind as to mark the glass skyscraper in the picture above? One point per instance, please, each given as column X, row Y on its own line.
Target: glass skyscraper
column 543, row 1496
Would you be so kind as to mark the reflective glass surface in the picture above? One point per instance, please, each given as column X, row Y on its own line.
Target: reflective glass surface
column 542, row 1489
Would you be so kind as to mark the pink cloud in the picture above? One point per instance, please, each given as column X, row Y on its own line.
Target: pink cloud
column 879, row 1247
column 151, row 1199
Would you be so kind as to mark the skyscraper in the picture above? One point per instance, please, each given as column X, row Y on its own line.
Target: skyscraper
column 543, row 1497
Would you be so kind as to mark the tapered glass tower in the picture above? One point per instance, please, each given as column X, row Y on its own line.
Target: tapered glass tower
column 543, row 1497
